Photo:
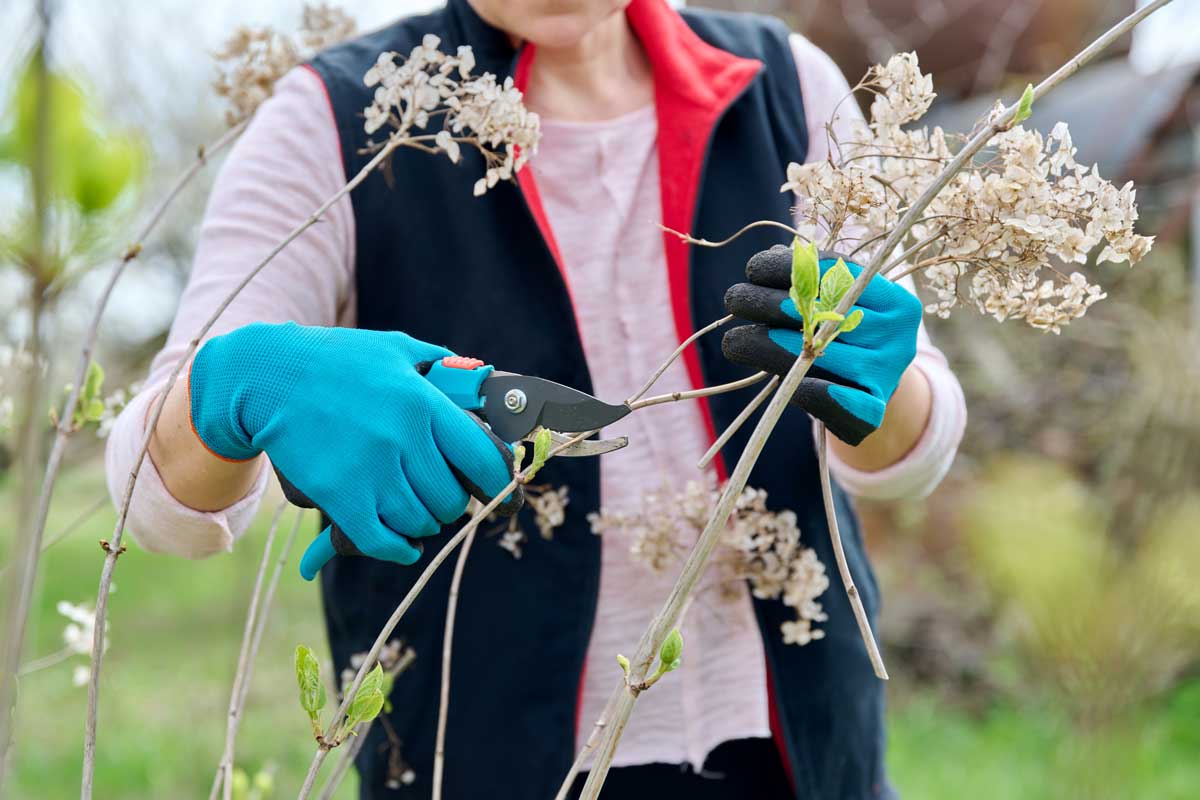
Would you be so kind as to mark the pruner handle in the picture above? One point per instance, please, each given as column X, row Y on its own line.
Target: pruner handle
column 458, row 377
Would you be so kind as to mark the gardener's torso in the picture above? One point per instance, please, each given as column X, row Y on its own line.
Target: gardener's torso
column 601, row 197
column 601, row 317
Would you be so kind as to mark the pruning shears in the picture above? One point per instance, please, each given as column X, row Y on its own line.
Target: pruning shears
column 515, row 405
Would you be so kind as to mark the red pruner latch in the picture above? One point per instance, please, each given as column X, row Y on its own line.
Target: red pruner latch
column 461, row 362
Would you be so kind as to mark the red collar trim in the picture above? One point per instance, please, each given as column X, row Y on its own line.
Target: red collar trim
column 694, row 84
column 688, row 72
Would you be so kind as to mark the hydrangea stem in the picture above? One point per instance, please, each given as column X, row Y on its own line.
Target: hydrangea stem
column 839, row 554
column 439, row 751
column 667, row 616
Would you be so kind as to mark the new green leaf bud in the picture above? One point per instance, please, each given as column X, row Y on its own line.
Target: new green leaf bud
column 1024, row 106
column 672, row 648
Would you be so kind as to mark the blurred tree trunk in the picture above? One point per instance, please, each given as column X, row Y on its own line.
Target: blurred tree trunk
column 33, row 408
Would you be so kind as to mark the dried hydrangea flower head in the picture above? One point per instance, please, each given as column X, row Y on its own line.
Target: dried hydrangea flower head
column 322, row 25
column 1003, row 232
column 253, row 59
column 549, row 508
column 759, row 546
column 476, row 111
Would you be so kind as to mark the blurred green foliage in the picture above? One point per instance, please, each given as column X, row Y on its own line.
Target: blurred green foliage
column 1109, row 624
column 89, row 167
column 1106, row 625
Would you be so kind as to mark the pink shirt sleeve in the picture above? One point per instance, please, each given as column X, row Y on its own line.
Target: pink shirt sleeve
column 283, row 167
column 920, row 471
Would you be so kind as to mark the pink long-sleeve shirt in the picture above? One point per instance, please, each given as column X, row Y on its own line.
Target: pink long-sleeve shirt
column 599, row 187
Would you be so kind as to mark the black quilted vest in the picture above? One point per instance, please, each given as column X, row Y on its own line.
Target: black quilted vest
column 481, row 276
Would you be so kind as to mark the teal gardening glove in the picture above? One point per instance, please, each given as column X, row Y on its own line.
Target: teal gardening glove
column 352, row 428
column 850, row 384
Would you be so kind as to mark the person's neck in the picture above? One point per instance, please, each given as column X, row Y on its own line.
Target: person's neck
column 604, row 75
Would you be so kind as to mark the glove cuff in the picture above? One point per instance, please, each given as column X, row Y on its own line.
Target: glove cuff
column 239, row 381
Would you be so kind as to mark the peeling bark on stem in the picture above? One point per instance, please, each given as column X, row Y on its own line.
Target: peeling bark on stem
column 89, row 742
column 697, row 560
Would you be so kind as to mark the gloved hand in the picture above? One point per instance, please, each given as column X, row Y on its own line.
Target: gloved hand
column 849, row 385
column 351, row 427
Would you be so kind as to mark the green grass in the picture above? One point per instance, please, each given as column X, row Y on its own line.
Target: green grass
column 940, row 753
column 176, row 628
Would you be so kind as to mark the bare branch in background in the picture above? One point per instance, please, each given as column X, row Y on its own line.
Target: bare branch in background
column 255, row 620
column 28, row 545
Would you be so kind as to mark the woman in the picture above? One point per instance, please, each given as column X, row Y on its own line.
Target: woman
column 648, row 116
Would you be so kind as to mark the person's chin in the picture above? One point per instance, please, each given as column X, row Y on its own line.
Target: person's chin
column 560, row 31
column 567, row 29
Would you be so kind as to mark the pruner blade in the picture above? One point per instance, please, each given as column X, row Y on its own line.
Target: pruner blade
column 585, row 447
column 515, row 405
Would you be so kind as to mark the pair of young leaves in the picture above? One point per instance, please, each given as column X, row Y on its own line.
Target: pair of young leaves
column 90, row 405
column 816, row 296
column 370, row 699
column 541, row 452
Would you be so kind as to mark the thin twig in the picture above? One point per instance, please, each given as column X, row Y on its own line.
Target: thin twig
column 225, row 765
column 697, row 560
column 89, row 742
column 380, row 640
column 588, row 746
column 692, row 394
column 839, row 554
column 904, row 273
column 260, row 625
column 439, row 750
column 737, row 423
column 346, row 759
column 57, row 657
column 678, row 352
column 762, row 223
column 916, row 248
